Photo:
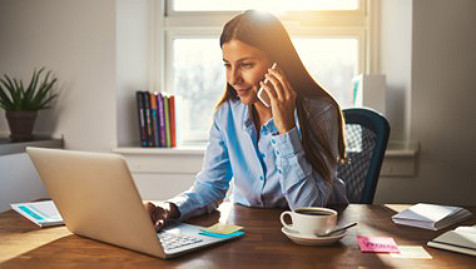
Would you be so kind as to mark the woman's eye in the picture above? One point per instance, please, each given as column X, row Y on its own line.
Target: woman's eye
column 247, row 65
column 227, row 66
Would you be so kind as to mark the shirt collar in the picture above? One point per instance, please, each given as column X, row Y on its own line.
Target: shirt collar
column 248, row 122
column 248, row 117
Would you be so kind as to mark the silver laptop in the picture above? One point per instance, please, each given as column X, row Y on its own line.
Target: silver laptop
column 97, row 198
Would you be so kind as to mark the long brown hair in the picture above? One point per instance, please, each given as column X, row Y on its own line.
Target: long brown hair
column 265, row 32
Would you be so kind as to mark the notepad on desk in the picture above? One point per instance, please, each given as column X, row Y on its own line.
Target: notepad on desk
column 461, row 239
column 43, row 213
column 430, row 216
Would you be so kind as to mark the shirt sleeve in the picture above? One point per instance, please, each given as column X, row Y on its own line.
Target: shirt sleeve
column 301, row 184
column 211, row 183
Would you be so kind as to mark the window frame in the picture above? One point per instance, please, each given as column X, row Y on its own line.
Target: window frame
column 361, row 24
column 361, row 10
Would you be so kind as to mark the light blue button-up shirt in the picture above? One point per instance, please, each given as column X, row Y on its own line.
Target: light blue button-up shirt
column 269, row 170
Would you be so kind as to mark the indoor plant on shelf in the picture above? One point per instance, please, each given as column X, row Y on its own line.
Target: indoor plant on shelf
column 21, row 104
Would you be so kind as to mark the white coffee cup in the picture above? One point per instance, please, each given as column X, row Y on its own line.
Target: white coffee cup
column 311, row 220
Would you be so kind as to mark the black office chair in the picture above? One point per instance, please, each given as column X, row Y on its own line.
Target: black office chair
column 367, row 133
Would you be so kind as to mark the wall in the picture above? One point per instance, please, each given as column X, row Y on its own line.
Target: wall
column 395, row 63
column 76, row 39
column 134, row 43
column 19, row 185
column 442, row 90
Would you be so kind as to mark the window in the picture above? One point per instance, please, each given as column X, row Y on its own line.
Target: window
column 330, row 37
column 198, row 82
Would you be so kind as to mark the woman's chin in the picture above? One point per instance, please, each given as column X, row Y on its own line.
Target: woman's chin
column 248, row 100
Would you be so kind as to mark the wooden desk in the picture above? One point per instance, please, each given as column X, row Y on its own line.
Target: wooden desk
column 24, row 245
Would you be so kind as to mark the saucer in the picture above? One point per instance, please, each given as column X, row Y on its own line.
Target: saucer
column 312, row 240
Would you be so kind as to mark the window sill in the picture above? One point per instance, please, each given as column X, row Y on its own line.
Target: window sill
column 400, row 159
column 7, row 147
column 180, row 160
column 402, row 149
column 394, row 149
column 182, row 150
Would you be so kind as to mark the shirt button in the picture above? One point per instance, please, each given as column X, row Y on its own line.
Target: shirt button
column 277, row 152
column 262, row 155
column 273, row 141
column 261, row 178
column 280, row 171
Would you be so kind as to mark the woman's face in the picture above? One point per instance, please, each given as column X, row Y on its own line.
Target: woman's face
column 245, row 68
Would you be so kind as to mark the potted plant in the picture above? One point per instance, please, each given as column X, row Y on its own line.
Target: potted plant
column 22, row 104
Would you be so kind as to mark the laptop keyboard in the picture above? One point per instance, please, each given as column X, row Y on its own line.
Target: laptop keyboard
column 172, row 241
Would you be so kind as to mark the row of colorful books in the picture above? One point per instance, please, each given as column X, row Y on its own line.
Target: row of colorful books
column 156, row 113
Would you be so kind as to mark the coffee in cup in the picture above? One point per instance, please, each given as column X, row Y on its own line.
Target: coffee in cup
column 311, row 220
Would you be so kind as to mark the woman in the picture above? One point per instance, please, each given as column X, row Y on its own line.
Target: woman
column 284, row 155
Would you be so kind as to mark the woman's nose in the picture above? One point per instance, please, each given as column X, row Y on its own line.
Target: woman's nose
column 235, row 77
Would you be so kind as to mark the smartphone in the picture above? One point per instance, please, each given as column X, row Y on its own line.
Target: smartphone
column 262, row 95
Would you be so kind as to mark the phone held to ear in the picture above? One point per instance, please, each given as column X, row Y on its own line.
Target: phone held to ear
column 262, row 95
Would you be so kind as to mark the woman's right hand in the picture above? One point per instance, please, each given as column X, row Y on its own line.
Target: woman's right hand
column 161, row 215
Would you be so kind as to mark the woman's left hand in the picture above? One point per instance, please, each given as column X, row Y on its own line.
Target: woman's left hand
column 283, row 99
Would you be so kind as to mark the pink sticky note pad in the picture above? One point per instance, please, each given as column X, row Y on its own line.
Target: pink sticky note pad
column 377, row 244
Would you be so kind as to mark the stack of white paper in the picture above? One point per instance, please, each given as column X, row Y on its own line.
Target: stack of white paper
column 42, row 214
column 431, row 217
column 461, row 239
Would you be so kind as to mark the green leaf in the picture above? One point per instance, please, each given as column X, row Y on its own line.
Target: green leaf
column 4, row 98
column 10, row 83
column 45, row 103
column 33, row 84
column 17, row 95
column 4, row 103
column 10, row 86
column 43, row 91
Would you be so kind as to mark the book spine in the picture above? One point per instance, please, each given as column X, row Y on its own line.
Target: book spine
column 173, row 140
column 141, row 114
column 157, row 101
column 150, row 136
column 155, row 127
column 160, row 102
column 167, row 121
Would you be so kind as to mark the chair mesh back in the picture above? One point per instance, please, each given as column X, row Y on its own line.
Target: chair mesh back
column 360, row 147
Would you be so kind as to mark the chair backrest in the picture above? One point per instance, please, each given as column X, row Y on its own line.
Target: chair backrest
column 367, row 133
